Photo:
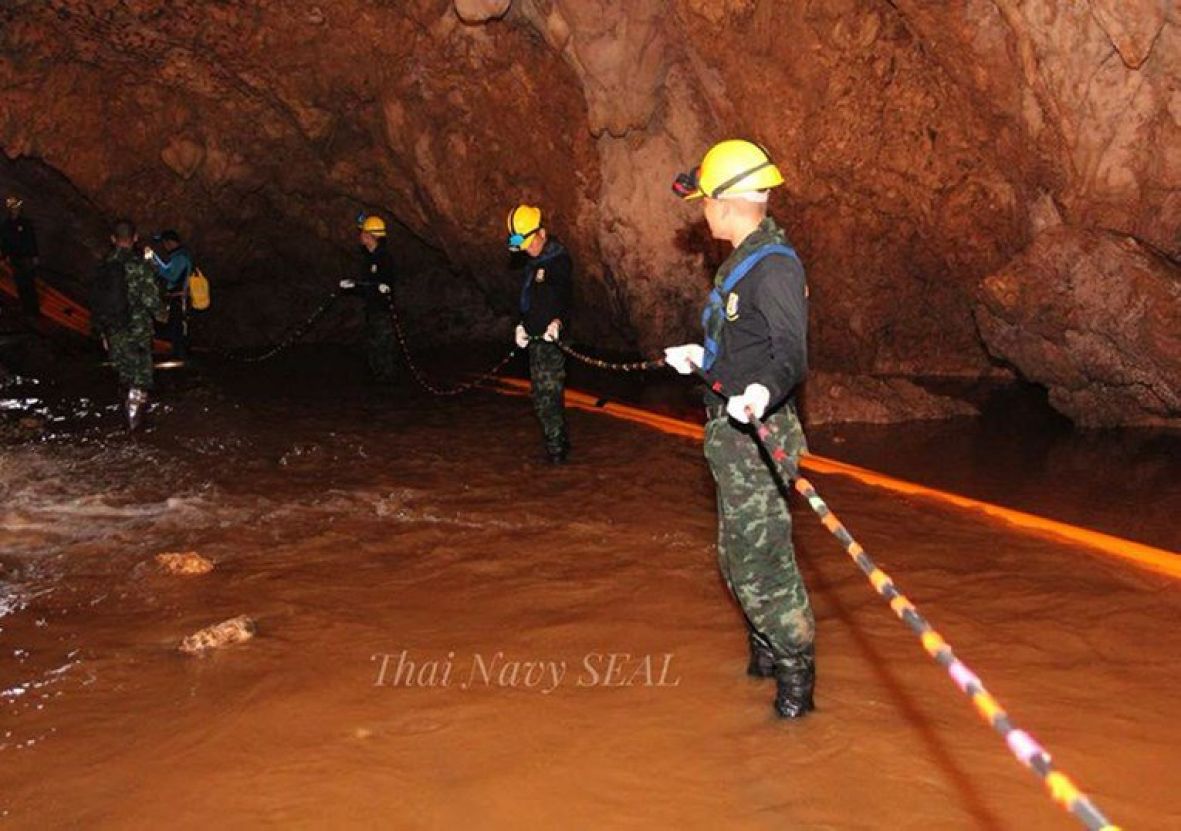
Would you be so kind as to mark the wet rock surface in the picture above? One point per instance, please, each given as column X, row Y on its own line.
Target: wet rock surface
column 839, row 399
column 183, row 563
column 1096, row 318
column 220, row 635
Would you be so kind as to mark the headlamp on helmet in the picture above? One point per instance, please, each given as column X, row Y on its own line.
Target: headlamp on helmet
column 731, row 169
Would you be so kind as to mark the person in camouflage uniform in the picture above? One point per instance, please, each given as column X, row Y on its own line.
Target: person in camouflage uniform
column 754, row 356
column 545, row 303
column 374, row 285
column 130, row 344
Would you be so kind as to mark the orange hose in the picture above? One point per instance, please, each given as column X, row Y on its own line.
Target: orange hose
column 1159, row 560
column 60, row 309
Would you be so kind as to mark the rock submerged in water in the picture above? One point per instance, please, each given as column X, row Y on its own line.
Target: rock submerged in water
column 184, row 562
column 227, row 633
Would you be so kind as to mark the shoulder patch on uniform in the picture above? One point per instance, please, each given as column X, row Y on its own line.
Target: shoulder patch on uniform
column 732, row 306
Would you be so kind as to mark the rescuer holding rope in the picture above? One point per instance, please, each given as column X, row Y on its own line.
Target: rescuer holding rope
column 755, row 352
column 546, row 293
column 374, row 285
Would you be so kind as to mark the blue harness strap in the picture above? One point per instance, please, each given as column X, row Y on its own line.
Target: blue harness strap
column 530, row 271
column 716, row 305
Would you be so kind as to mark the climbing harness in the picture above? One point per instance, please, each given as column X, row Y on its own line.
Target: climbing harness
column 1023, row 746
column 715, row 307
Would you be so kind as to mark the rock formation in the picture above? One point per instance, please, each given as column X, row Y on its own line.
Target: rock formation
column 1096, row 318
column 925, row 146
column 832, row 398
column 220, row 635
column 184, row 563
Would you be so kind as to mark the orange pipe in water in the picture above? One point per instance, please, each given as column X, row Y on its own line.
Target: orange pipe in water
column 1158, row 560
column 60, row 309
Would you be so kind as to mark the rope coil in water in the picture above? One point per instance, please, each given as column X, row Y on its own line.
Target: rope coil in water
column 1022, row 745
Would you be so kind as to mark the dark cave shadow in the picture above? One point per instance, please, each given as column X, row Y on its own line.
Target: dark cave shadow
column 965, row 786
column 695, row 240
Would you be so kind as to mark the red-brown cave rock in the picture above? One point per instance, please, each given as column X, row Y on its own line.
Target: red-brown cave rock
column 1096, row 318
column 926, row 147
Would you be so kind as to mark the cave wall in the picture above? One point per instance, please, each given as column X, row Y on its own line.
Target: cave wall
column 926, row 146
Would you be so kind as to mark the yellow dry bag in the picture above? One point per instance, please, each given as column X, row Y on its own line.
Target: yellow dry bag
column 198, row 290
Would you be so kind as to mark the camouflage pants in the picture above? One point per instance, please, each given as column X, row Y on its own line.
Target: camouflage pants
column 755, row 551
column 131, row 354
column 547, row 370
column 380, row 341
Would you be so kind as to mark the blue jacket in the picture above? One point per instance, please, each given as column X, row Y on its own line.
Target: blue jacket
column 175, row 270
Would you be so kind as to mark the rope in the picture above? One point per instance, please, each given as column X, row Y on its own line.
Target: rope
column 293, row 334
column 422, row 380
column 1023, row 746
column 635, row 366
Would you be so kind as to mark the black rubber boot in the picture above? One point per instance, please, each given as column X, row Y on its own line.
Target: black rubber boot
column 795, row 679
column 762, row 662
column 557, row 453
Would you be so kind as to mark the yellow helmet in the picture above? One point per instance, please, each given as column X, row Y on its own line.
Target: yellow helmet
column 523, row 222
column 374, row 225
column 730, row 168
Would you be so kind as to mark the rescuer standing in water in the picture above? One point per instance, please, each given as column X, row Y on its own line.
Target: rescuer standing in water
column 755, row 350
column 174, row 269
column 124, row 301
column 374, row 285
column 546, row 294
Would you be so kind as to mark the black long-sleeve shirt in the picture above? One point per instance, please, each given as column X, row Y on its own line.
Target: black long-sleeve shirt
column 18, row 240
column 547, row 288
column 763, row 337
column 377, row 269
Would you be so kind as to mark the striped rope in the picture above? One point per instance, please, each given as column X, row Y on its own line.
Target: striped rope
column 1022, row 745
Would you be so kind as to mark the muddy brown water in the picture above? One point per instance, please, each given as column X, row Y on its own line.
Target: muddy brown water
column 576, row 662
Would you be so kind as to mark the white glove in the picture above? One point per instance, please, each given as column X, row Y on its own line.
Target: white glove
column 684, row 358
column 383, row 288
column 521, row 337
column 756, row 396
column 552, row 331
column 148, row 252
column 348, row 284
